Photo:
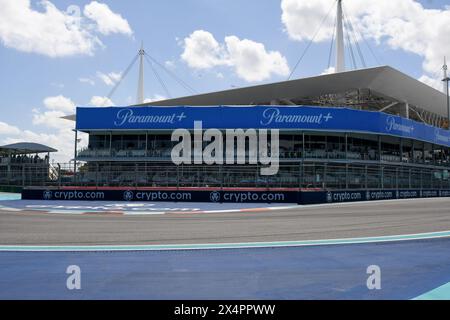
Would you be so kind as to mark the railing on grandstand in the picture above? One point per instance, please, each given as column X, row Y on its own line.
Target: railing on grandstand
column 106, row 153
column 363, row 155
column 307, row 175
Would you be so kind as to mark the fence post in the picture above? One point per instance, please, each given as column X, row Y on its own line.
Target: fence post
column 23, row 175
column 396, row 178
column 299, row 182
column 96, row 174
column 221, row 176
column 421, row 180
column 178, row 177
column 409, row 178
column 167, row 177
column 75, row 158
column 346, row 176
column 59, row 175
column 135, row 175
column 366, row 179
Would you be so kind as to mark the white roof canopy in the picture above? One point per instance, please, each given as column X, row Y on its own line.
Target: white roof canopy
column 381, row 81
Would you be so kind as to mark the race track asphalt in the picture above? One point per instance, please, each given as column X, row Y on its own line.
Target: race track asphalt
column 301, row 223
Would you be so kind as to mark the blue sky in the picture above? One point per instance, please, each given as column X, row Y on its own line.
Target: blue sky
column 30, row 73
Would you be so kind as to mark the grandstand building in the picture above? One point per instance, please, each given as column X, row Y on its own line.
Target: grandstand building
column 374, row 128
column 26, row 163
column 367, row 129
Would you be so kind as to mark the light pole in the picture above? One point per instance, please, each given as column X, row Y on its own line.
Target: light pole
column 446, row 82
column 447, row 79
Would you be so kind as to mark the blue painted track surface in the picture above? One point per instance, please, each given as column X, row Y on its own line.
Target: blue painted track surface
column 408, row 269
column 10, row 201
column 10, row 196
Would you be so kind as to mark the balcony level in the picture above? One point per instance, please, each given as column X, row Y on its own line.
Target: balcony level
column 294, row 147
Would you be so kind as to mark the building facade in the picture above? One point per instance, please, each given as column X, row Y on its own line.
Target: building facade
column 319, row 148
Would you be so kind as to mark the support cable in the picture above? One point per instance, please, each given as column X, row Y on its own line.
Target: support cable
column 349, row 54
column 356, row 42
column 332, row 44
column 181, row 82
column 122, row 76
column 160, row 80
column 417, row 113
column 372, row 52
column 310, row 42
column 349, row 43
column 360, row 54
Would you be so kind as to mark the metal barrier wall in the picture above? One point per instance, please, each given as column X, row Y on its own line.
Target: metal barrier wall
column 226, row 195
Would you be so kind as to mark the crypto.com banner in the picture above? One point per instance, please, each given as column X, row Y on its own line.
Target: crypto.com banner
column 226, row 196
column 217, row 196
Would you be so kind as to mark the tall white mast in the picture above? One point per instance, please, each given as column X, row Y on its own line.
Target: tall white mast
column 444, row 69
column 340, row 53
column 446, row 81
column 140, row 92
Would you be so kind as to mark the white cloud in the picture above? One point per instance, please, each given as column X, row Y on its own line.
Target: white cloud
column 250, row 60
column 8, row 129
column 107, row 21
column 59, row 103
column 58, row 106
column 63, row 141
column 50, row 31
column 302, row 18
column 328, row 71
column 432, row 82
column 202, row 51
column 170, row 64
column 87, row 80
column 57, row 85
column 156, row 97
column 401, row 24
column 109, row 79
column 50, row 119
column 98, row 101
column 59, row 136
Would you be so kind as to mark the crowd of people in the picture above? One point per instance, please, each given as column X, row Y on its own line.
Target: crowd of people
column 28, row 159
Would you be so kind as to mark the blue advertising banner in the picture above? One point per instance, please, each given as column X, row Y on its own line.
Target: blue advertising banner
column 222, row 196
column 215, row 196
column 257, row 117
column 338, row 196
